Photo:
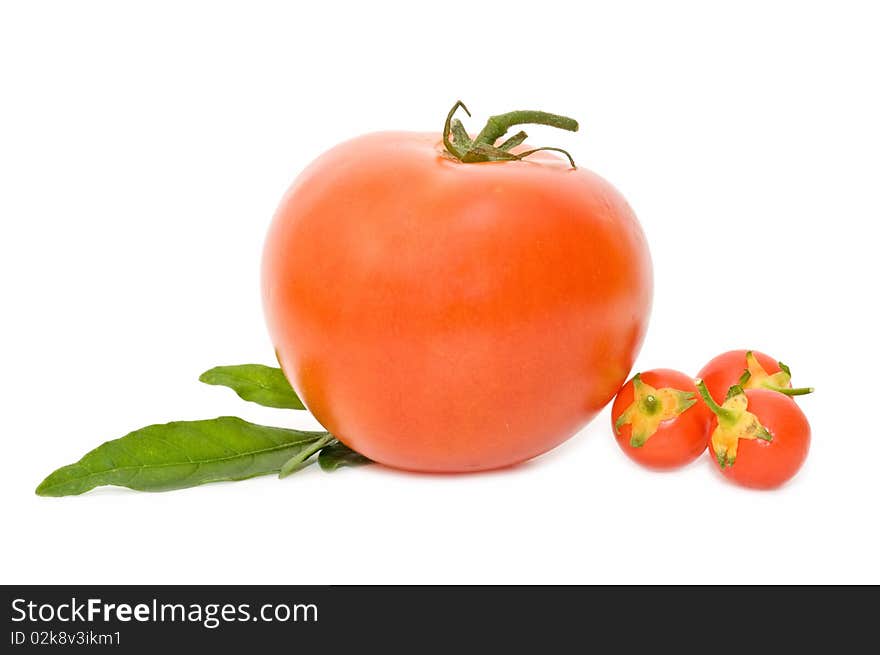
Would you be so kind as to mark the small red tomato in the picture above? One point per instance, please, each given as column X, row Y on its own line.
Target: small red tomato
column 749, row 369
column 658, row 420
column 760, row 438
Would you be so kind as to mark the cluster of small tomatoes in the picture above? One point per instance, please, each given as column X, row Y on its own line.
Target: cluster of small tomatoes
column 741, row 407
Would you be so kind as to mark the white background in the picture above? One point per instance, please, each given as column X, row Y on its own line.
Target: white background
column 144, row 146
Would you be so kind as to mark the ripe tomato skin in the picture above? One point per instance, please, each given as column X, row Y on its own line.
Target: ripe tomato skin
column 724, row 371
column 769, row 464
column 440, row 316
column 677, row 441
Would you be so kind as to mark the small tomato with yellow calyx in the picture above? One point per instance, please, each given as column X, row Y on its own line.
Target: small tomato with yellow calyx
column 658, row 421
column 749, row 369
column 759, row 437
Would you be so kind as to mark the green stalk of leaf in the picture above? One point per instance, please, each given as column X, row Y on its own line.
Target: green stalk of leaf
column 300, row 459
column 189, row 453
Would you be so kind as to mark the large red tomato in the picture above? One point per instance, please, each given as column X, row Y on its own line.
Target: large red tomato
column 436, row 315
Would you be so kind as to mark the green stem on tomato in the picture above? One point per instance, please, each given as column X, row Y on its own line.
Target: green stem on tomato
column 534, row 150
column 788, row 391
column 514, row 141
column 723, row 414
column 483, row 148
column 497, row 126
column 447, row 128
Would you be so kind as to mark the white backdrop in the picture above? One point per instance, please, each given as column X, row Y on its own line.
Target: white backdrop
column 144, row 146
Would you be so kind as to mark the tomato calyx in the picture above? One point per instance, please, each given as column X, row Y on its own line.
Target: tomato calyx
column 755, row 376
column 483, row 147
column 735, row 422
column 651, row 407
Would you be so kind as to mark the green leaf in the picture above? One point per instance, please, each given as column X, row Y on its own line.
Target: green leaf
column 182, row 454
column 260, row 384
column 337, row 455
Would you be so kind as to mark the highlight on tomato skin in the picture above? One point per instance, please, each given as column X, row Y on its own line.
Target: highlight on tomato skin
column 759, row 438
column 764, row 372
column 659, row 420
